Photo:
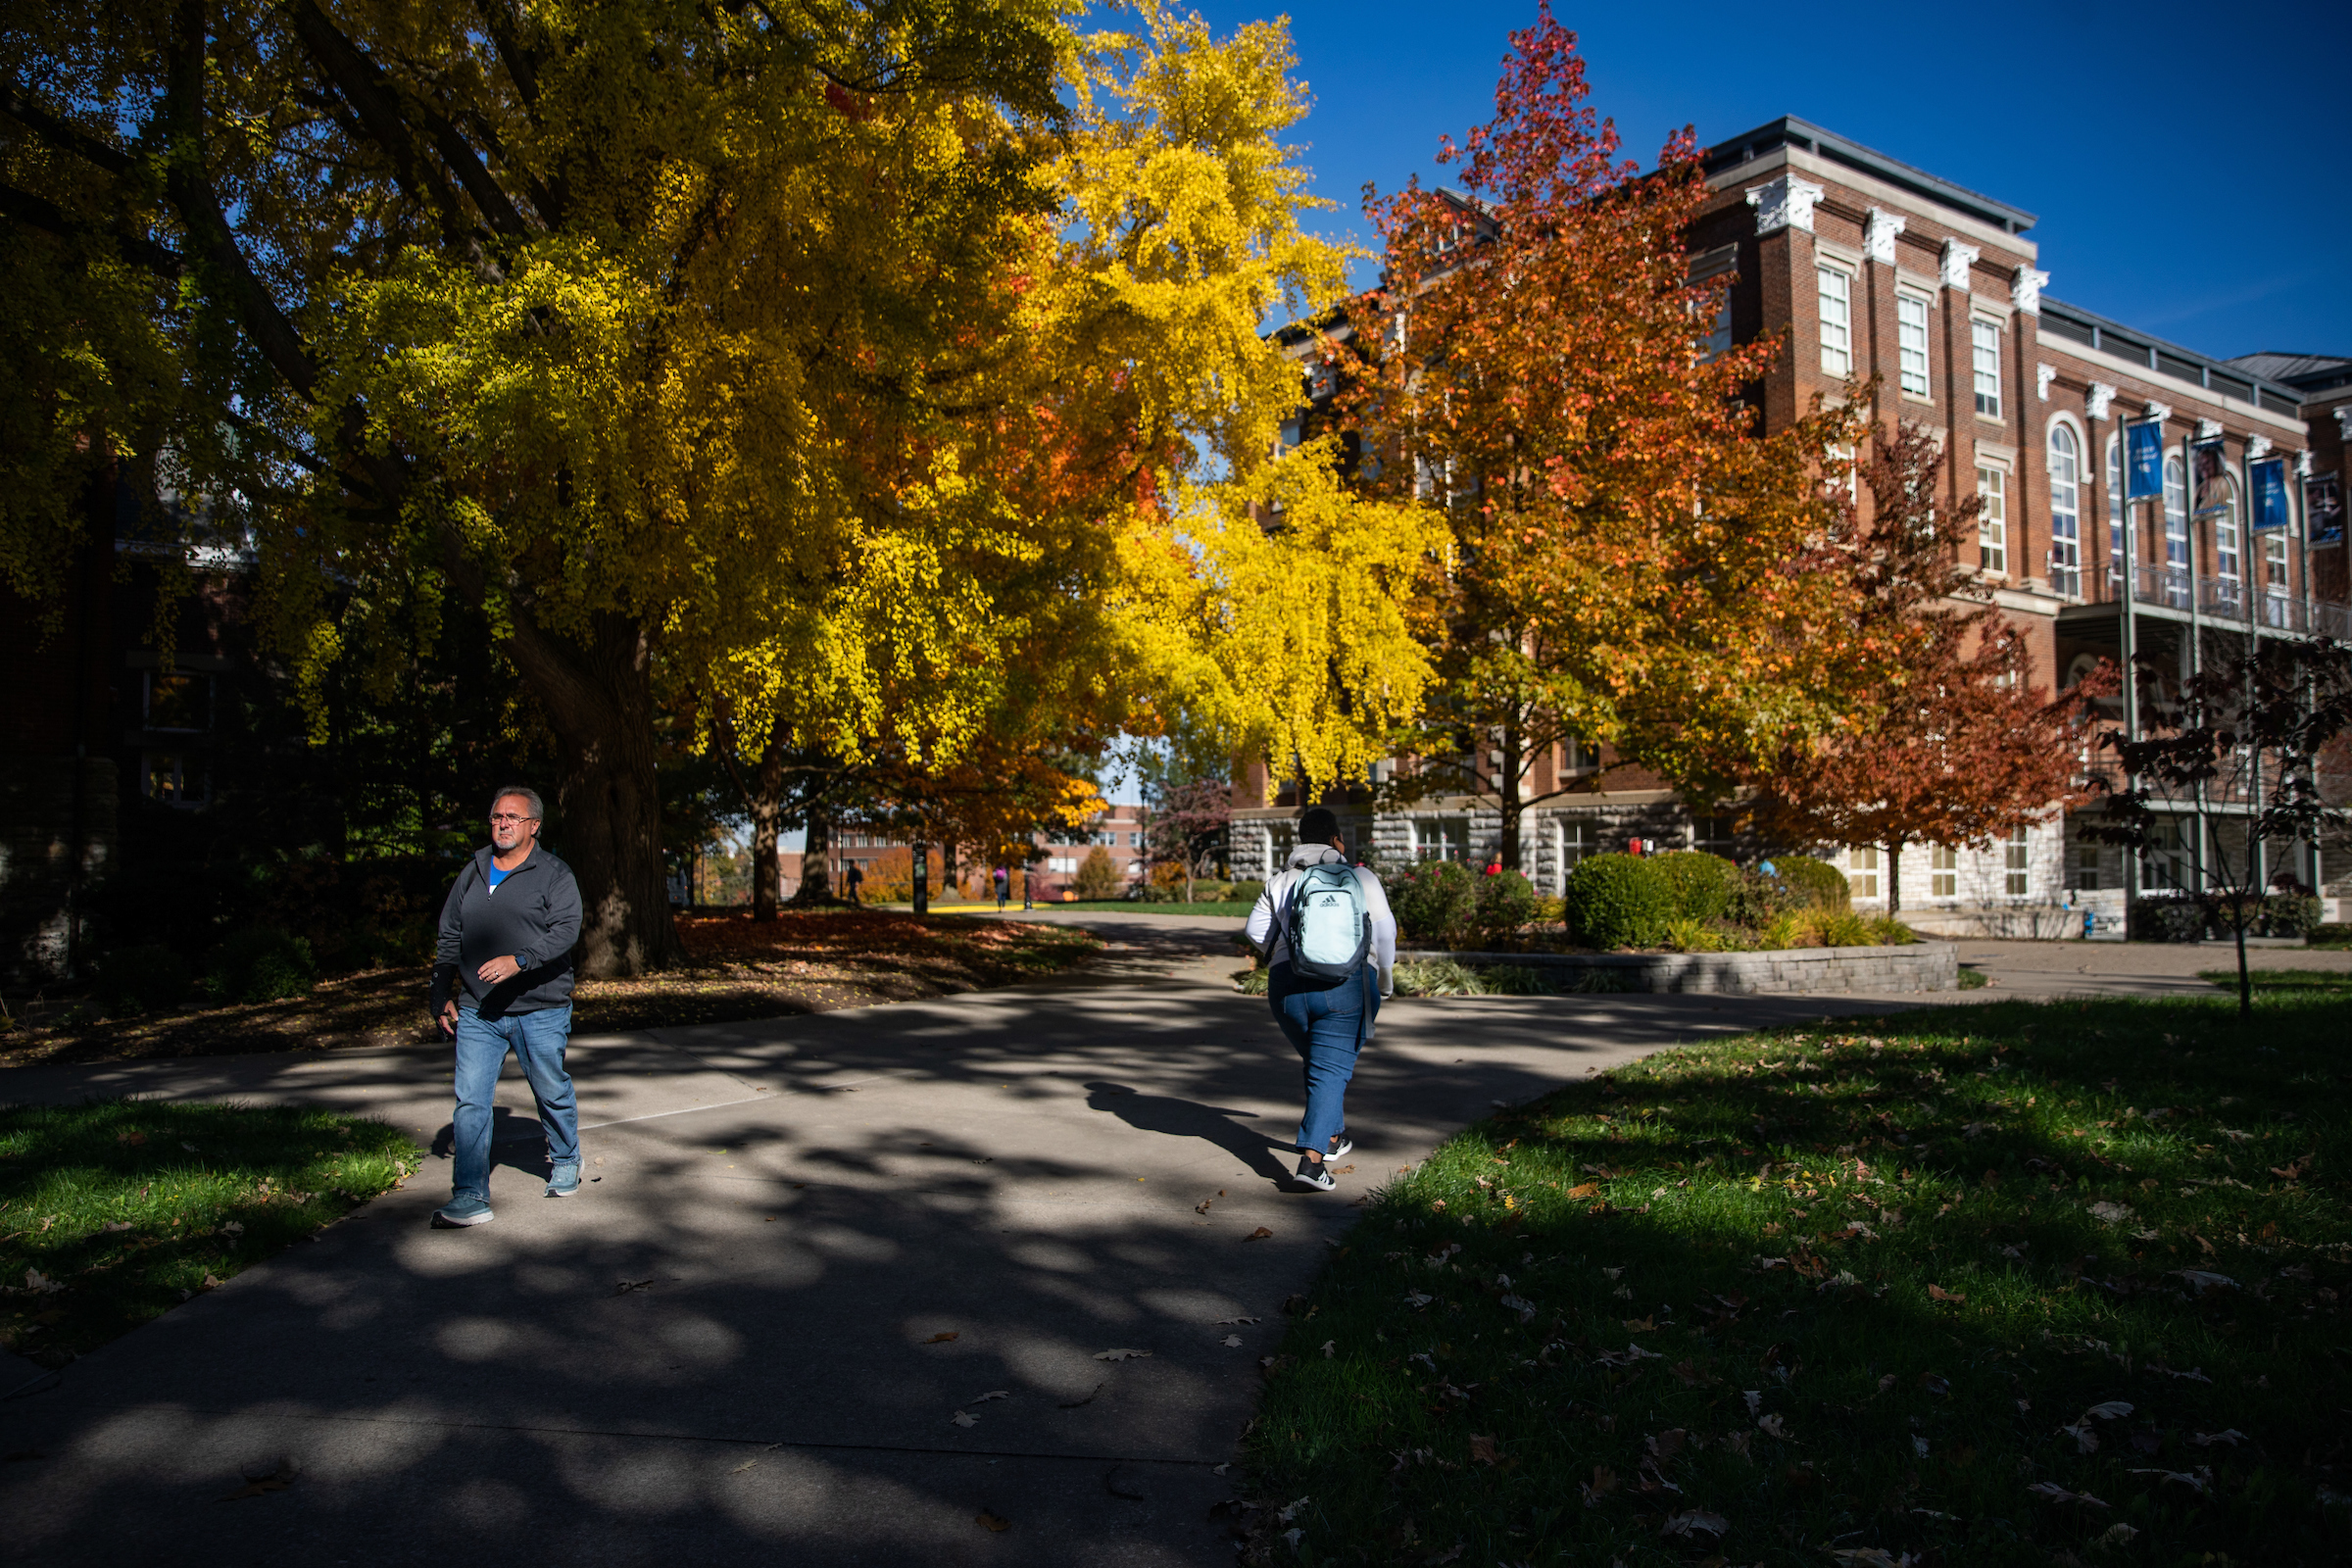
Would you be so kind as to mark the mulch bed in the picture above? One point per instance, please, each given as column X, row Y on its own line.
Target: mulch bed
column 736, row 969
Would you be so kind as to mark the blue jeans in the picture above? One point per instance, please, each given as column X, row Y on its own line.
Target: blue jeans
column 537, row 1039
column 1325, row 1023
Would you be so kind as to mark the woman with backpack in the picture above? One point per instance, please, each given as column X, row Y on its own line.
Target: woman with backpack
column 1330, row 945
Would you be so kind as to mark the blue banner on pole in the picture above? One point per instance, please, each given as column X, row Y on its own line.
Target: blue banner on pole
column 2323, row 511
column 2270, row 494
column 2143, row 460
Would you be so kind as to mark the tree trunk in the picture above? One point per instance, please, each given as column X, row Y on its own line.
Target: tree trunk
column 816, row 854
column 921, row 899
column 2246, row 982
column 765, row 804
column 1506, row 786
column 598, row 700
column 951, row 879
column 1894, row 880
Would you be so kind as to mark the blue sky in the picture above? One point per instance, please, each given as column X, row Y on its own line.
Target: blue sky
column 2188, row 164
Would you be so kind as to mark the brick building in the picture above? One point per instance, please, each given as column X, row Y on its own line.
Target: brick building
column 1869, row 267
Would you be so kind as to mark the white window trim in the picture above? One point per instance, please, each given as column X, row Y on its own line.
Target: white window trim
column 1924, row 297
column 1829, row 262
column 2002, row 466
column 2000, row 373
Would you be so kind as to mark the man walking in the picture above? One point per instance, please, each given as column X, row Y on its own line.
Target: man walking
column 1325, row 997
column 1003, row 881
column 501, row 981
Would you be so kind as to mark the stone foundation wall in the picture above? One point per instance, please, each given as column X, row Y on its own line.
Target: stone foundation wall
column 1795, row 971
column 37, row 857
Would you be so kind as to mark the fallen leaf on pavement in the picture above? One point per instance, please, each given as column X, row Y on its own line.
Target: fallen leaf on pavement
column 989, row 1521
column 1119, row 1355
column 936, row 1339
column 741, row 1468
column 992, row 1394
column 1258, row 1235
column 964, row 1418
column 1202, row 1208
column 1233, row 1340
column 1223, row 1321
column 624, row 1287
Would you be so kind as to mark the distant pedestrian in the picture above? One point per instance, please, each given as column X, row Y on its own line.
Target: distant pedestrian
column 501, row 981
column 1003, row 881
column 851, row 880
column 1330, row 944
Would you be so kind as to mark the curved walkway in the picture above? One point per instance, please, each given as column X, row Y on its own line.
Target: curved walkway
column 807, row 1246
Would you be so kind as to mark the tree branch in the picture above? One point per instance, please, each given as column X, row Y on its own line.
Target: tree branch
column 63, row 135
column 38, row 212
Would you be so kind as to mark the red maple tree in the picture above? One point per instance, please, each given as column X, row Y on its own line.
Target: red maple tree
column 1633, row 566
column 1964, row 746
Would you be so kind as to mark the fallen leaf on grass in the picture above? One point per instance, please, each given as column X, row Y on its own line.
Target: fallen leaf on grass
column 1872, row 1557
column 936, row 1339
column 1584, row 1189
column 2206, row 1440
column 1120, row 1355
column 1936, row 1293
column 1769, row 1426
column 1641, row 1325
column 124, row 1225
column 2118, row 1533
column 2200, row 1280
column 1937, row 1384
column 2111, row 1213
column 40, row 1284
column 1684, row 1524
column 1605, row 1482
column 1482, row 1450
column 989, row 1521
column 2197, row 1481
column 1738, row 1443
column 2058, row 1494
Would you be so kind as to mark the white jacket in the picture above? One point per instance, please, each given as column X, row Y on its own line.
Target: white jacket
column 1268, row 928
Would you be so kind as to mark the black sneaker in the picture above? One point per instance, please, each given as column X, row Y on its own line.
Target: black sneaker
column 1342, row 1145
column 1310, row 1173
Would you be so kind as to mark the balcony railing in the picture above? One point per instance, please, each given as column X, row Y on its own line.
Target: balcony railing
column 2224, row 599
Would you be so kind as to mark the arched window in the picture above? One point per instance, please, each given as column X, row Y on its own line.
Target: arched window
column 2176, row 531
column 2117, row 514
column 2066, row 511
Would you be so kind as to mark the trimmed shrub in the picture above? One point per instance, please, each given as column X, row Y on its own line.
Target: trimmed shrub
column 1756, row 898
column 260, row 964
column 1504, row 902
column 1244, row 892
column 143, row 979
column 1433, row 901
column 1699, row 883
column 1844, row 929
column 1618, row 901
column 1818, row 882
column 2177, row 918
column 2291, row 914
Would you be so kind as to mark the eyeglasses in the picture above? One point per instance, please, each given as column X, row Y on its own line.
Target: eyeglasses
column 502, row 818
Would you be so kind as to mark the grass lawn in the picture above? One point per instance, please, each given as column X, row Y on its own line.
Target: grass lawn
column 736, row 969
column 2021, row 1283
column 2316, row 982
column 115, row 1211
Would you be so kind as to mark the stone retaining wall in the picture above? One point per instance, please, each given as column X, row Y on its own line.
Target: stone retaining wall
column 1792, row 971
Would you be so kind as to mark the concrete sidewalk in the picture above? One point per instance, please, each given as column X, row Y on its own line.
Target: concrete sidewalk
column 806, row 1246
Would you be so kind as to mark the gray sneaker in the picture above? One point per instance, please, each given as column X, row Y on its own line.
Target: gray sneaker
column 461, row 1210
column 564, row 1180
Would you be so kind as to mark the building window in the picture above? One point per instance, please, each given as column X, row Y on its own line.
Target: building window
column 1716, row 835
column 1718, row 341
column 1943, row 871
column 1984, row 341
column 1578, row 756
column 2168, row 856
column 2066, row 511
column 1577, row 841
column 1992, row 521
column 1441, row 838
column 2175, row 516
column 2086, row 867
column 2274, row 563
column 1911, row 343
column 2018, row 862
column 1836, row 322
column 1862, row 872
column 172, row 778
column 2224, row 541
